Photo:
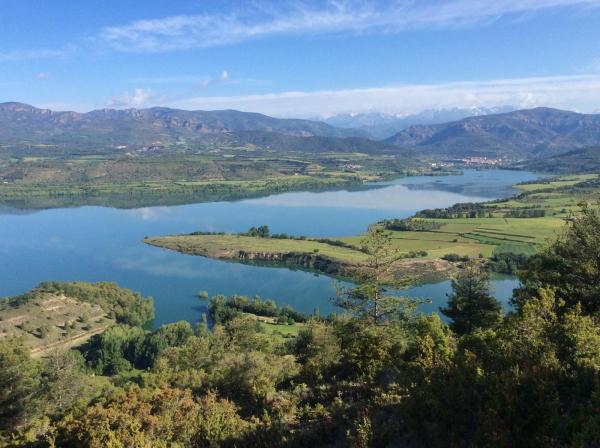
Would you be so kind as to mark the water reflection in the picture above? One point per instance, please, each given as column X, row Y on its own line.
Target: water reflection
column 100, row 243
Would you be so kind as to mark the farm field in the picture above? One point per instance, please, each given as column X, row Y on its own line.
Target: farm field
column 562, row 181
column 554, row 201
column 473, row 236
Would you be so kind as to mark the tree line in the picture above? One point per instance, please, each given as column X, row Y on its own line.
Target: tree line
column 380, row 374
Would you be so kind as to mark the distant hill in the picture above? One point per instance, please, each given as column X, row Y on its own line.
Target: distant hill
column 522, row 134
column 584, row 160
column 282, row 142
column 383, row 125
column 25, row 126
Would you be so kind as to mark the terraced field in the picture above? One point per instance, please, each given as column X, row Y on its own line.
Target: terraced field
column 48, row 321
column 474, row 236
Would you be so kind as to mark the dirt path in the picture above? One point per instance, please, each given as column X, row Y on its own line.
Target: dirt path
column 67, row 343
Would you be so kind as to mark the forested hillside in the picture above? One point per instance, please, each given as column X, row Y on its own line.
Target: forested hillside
column 522, row 134
column 380, row 374
column 585, row 160
column 24, row 127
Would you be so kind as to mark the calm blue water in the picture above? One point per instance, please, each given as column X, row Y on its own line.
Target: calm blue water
column 96, row 243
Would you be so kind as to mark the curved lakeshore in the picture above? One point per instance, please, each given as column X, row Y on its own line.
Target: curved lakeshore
column 307, row 254
column 430, row 245
column 105, row 244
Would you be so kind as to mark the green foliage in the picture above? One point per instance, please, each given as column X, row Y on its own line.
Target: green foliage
column 169, row 335
column 370, row 299
column 506, row 262
column 259, row 232
column 126, row 306
column 121, row 347
column 162, row 418
column 369, row 352
column 470, row 306
column 526, row 213
column 317, row 350
column 454, row 258
column 529, row 378
column 19, row 380
column 65, row 385
column 411, row 225
column 115, row 350
column 570, row 265
column 222, row 309
column 456, row 211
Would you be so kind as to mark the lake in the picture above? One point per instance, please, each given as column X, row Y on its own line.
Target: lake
column 98, row 243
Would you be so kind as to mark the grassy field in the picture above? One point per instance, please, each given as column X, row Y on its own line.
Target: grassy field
column 228, row 246
column 474, row 236
column 496, row 232
column 558, row 196
column 465, row 237
column 563, row 181
column 282, row 331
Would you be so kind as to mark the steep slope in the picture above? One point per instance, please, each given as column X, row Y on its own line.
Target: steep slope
column 538, row 132
column 584, row 160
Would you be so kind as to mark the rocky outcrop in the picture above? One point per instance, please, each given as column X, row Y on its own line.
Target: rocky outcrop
column 315, row 262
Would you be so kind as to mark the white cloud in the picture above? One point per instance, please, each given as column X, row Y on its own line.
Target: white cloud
column 200, row 81
column 149, row 213
column 47, row 53
column 568, row 92
column 317, row 17
column 392, row 198
column 42, row 75
column 180, row 79
column 137, row 98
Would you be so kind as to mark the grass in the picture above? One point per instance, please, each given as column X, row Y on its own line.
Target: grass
column 563, row 181
column 282, row 331
column 474, row 236
column 49, row 321
column 228, row 246
column 471, row 237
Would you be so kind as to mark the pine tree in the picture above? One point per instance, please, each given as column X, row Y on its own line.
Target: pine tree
column 470, row 306
column 371, row 299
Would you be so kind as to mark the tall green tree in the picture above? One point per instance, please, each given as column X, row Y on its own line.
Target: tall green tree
column 64, row 383
column 19, row 384
column 470, row 306
column 571, row 265
column 373, row 299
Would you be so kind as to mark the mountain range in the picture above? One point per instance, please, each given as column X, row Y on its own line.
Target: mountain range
column 380, row 125
column 22, row 125
column 522, row 134
column 516, row 135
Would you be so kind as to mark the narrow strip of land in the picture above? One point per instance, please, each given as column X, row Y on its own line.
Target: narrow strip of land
column 430, row 243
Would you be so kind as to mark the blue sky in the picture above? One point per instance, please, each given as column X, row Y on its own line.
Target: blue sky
column 301, row 58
